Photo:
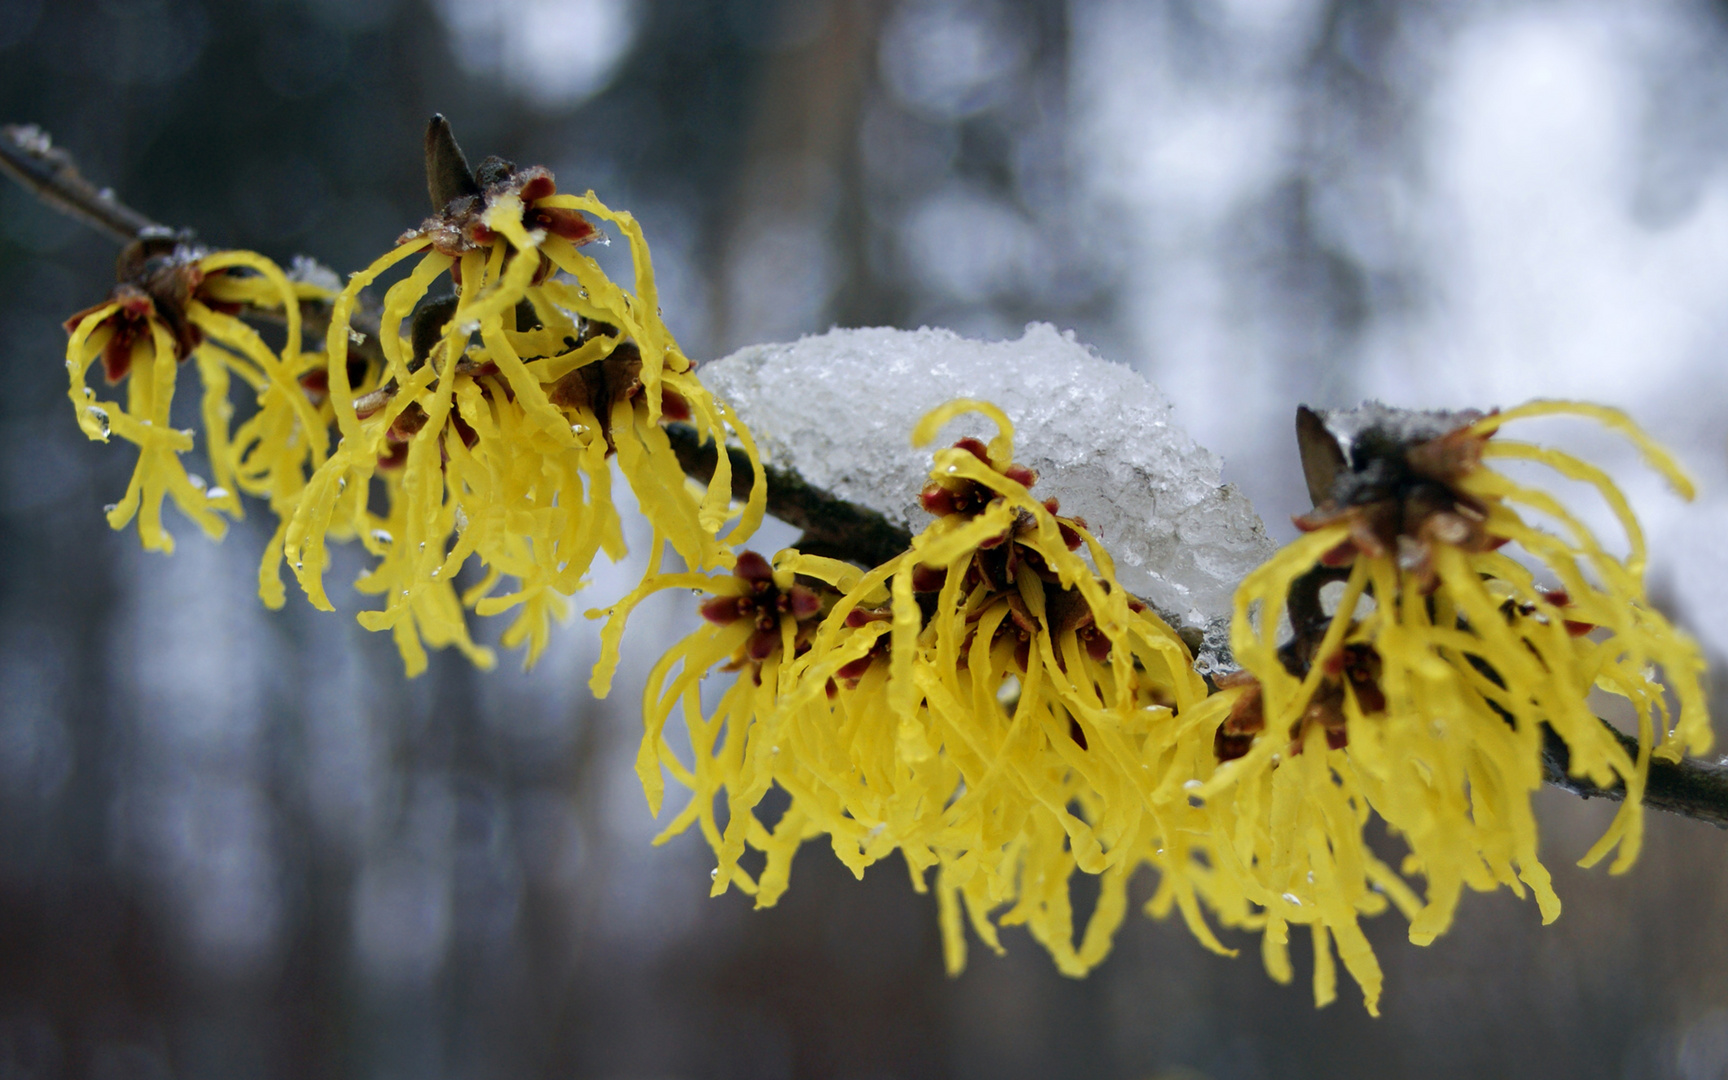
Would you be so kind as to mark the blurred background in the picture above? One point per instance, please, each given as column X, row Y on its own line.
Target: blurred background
column 239, row 844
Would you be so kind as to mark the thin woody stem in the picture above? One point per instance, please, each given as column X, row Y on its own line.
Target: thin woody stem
column 832, row 526
column 1692, row 788
column 29, row 156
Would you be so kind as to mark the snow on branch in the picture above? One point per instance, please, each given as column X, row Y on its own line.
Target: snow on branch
column 838, row 410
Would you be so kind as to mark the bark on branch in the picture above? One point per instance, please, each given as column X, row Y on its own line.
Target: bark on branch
column 832, row 527
column 1689, row 787
column 30, row 157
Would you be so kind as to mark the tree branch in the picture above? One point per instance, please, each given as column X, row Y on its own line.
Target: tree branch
column 30, row 157
column 832, row 526
column 1691, row 788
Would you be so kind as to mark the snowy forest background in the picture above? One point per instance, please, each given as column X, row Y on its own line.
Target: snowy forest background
column 238, row 844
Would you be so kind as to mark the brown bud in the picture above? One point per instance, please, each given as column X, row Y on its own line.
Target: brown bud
column 447, row 175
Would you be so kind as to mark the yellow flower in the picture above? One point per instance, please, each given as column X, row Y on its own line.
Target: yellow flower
column 986, row 704
column 757, row 617
column 499, row 449
column 1425, row 698
column 176, row 301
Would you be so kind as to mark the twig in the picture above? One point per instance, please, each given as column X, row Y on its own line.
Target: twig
column 832, row 526
column 1690, row 787
column 30, row 157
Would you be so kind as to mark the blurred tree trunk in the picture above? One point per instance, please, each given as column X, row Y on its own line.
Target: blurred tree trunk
column 791, row 249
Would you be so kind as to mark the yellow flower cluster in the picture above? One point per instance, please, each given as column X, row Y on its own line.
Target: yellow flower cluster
column 1426, row 697
column 994, row 706
column 991, row 704
column 177, row 302
column 499, row 449
column 987, row 704
column 487, row 430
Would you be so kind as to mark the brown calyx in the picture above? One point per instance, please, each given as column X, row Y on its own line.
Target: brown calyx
column 408, row 423
column 158, row 276
column 851, row 672
column 1354, row 669
column 316, row 382
column 1397, row 492
column 1064, row 610
column 765, row 605
column 601, row 385
column 426, row 339
column 460, row 198
column 996, row 563
column 1067, row 609
column 997, row 558
column 959, row 495
column 1247, row 717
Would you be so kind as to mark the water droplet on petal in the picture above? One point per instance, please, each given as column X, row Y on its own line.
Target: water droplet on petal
column 714, row 874
column 110, row 508
column 356, row 336
column 216, row 494
column 1292, row 898
column 100, row 415
column 382, row 536
column 196, row 481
